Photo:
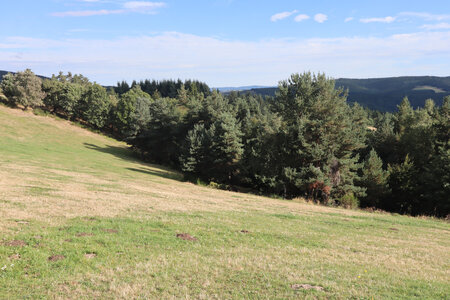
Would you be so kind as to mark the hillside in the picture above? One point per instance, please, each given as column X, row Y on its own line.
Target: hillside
column 82, row 218
column 385, row 94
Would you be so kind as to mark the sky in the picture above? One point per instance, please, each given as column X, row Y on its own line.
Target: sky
column 225, row 42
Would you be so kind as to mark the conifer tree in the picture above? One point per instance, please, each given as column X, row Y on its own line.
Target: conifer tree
column 374, row 179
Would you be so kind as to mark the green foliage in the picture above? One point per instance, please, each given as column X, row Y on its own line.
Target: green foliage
column 160, row 139
column 23, row 88
column 63, row 93
column 349, row 200
column 128, row 111
column 322, row 134
column 403, row 182
column 94, row 106
column 374, row 179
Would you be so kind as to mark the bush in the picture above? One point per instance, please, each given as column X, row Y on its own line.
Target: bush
column 349, row 201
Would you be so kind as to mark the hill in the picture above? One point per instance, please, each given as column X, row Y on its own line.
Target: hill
column 83, row 218
column 385, row 94
column 3, row 73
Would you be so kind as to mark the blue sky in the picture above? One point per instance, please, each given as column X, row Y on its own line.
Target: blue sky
column 225, row 42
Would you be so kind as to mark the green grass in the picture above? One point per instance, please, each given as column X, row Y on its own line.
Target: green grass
column 70, row 194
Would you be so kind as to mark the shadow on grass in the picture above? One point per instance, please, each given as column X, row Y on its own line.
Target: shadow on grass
column 120, row 152
column 129, row 155
column 161, row 173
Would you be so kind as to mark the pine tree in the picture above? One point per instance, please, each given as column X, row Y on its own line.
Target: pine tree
column 374, row 179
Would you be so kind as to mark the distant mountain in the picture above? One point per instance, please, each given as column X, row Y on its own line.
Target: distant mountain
column 385, row 94
column 3, row 73
column 239, row 88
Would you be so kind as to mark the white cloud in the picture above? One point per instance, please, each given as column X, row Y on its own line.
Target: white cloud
column 426, row 16
column 223, row 62
column 436, row 26
column 131, row 6
column 320, row 18
column 143, row 5
column 378, row 20
column 301, row 17
column 348, row 19
column 87, row 13
column 282, row 15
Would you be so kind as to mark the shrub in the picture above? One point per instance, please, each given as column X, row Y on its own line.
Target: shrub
column 349, row 200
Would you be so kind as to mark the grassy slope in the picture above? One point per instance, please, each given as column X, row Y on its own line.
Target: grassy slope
column 65, row 191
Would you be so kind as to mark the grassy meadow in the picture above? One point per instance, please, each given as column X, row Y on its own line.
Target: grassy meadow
column 82, row 218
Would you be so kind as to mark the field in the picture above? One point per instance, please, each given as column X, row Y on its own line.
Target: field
column 81, row 217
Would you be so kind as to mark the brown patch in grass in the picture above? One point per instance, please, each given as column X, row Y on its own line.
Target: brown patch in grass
column 15, row 256
column 15, row 243
column 394, row 229
column 111, row 230
column 84, row 234
column 68, row 240
column 306, row 286
column 186, row 237
column 90, row 255
column 244, row 231
column 56, row 257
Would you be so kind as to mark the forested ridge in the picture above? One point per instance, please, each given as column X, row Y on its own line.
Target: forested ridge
column 384, row 94
column 306, row 141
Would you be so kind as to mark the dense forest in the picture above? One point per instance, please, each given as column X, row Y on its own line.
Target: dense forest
column 307, row 141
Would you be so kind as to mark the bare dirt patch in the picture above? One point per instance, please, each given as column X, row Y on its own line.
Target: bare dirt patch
column 186, row 237
column 305, row 286
column 15, row 243
column 90, row 255
column 244, row 231
column 15, row 256
column 56, row 257
column 84, row 234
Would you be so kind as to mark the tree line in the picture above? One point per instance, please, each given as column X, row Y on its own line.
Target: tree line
column 307, row 141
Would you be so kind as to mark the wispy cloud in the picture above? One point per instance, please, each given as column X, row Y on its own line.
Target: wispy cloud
column 282, row 15
column 436, row 26
column 131, row 6
column 178, row 55
column 348, row 19
column 301, row 17
column 87, row 13
column 320, row 18
column 388, row 19
column 426, row 16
